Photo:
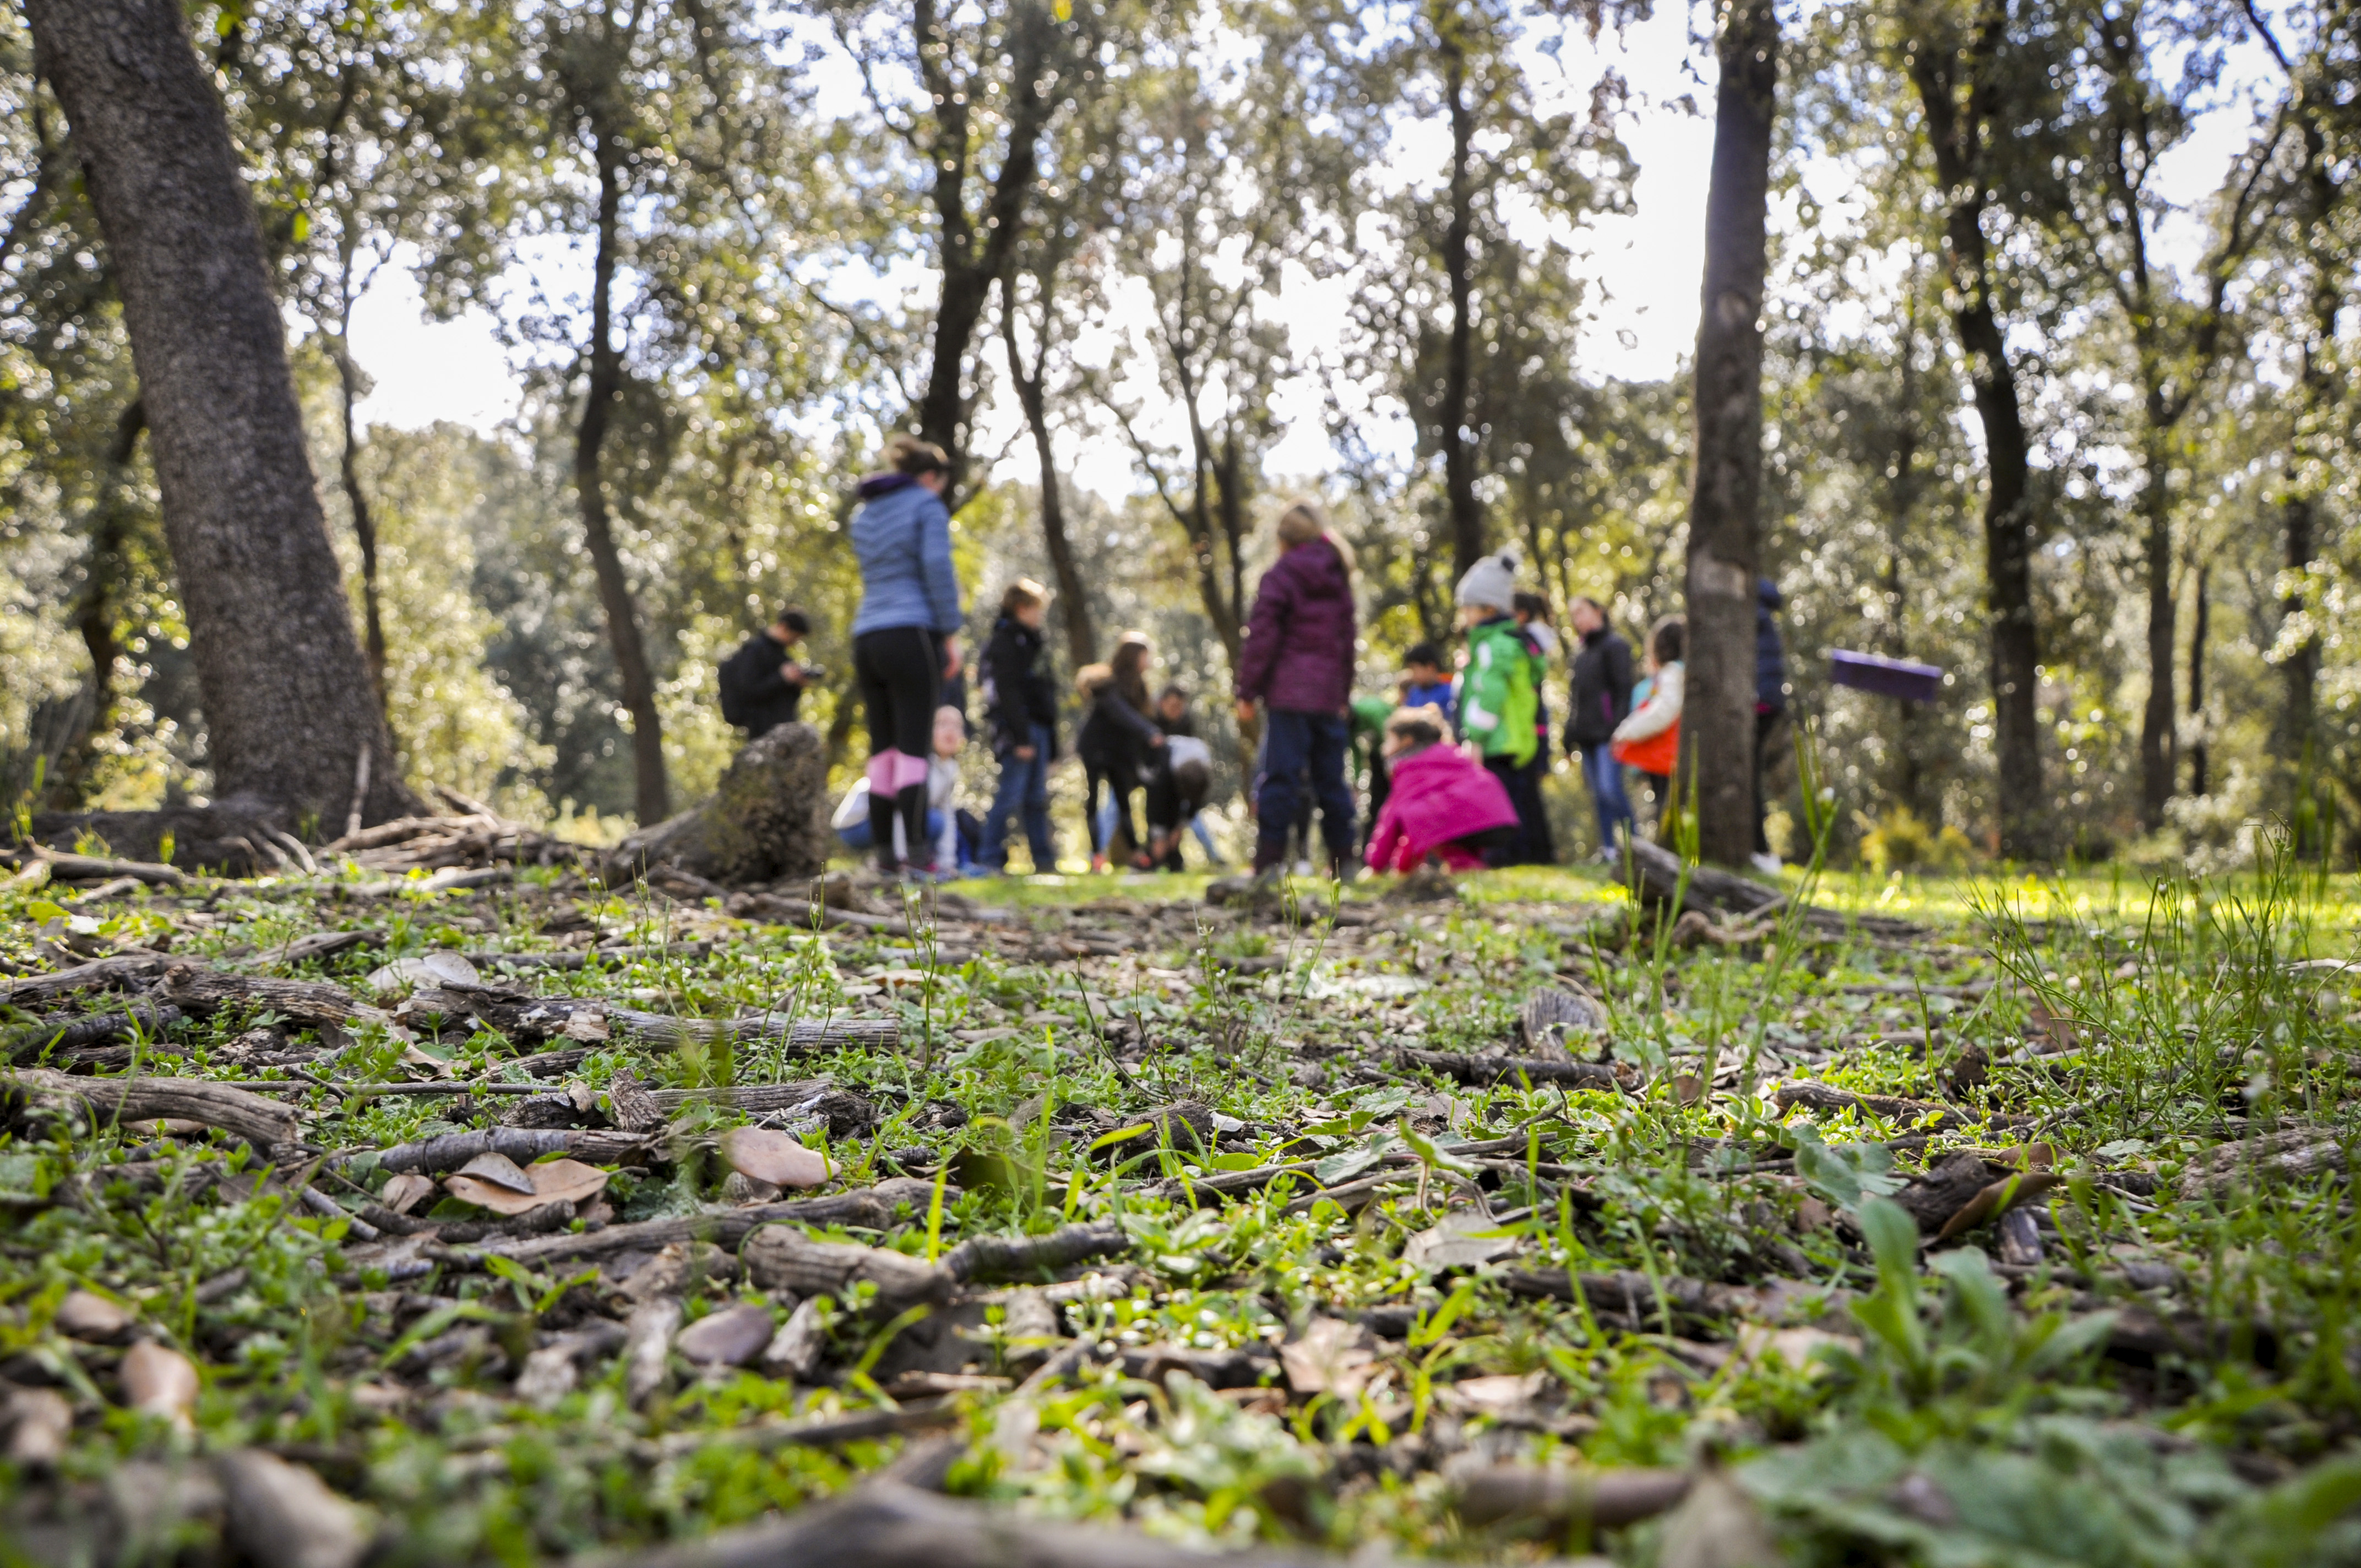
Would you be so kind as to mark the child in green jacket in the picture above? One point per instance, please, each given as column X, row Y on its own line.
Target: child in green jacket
column 1499, row 691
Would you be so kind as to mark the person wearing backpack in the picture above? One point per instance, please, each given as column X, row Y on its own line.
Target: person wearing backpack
column 1649, row 739
column 762, row 683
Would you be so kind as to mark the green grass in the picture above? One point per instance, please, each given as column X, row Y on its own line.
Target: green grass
column 1940, row 1405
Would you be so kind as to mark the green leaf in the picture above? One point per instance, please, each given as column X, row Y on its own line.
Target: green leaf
column 1844, row 1174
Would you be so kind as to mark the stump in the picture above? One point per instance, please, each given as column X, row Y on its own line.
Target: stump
column 767, row 820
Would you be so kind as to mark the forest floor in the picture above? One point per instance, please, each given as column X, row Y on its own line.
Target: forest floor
column 352, row 1218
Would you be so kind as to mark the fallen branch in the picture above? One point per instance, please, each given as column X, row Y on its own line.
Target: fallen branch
column 100, row 972
column 889, row 1526
column 92, row 1029
column 260, row 1122
column 1481, row 1070
column 1014, row 1257
column 98, row 868
column 522, row 1145
column 870, row 1208
column 1603, row 1498
column 203, row 991
column 1815, row 1096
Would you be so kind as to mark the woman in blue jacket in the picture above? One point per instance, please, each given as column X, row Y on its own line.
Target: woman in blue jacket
column 905, row 639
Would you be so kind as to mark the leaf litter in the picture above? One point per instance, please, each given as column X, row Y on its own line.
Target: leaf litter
column 534, row 1218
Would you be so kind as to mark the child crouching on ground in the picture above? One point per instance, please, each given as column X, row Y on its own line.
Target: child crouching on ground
column 1179, row 779
column 1442, row 805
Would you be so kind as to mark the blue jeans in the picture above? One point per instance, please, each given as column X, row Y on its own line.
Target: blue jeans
column 1024, row 788
column 1292, row 742
column 1604, row 774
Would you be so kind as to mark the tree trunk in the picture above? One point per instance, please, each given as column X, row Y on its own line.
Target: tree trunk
column 2159, row 739
column 98, row 604
column 652, row 798
column 349, row 377
column 1956, row 143
column 288, row 708
column 1458, row 442
column 1032, row 394
column 1717, row 715
column 1902, row 500
column 970, row 269
column 2300, row 672
column 2199, row 760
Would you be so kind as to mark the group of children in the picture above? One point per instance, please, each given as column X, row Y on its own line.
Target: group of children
column 1456, row 767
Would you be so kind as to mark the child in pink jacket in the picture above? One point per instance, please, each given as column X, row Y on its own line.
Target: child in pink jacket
column 1441, row 804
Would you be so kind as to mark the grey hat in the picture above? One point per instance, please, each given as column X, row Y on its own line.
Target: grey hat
column 1491, row 582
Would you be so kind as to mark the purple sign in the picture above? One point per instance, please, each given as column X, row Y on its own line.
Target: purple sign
column 1886, row 677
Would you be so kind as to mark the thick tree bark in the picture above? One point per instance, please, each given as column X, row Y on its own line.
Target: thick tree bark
column 1032, row 394
column 1717, row 715
column 1956, row 135
column 605, row 365
column 288, row 708
column 1453, row 417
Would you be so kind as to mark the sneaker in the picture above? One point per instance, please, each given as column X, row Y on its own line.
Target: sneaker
column 1766, row 863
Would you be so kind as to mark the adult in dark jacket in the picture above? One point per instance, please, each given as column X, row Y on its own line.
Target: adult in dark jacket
column 1298, row 664
column 1770, row 701
column 762, row 683
column 1601, row 700
column 1020, row 718
column 1117, row 735
column 906, row 637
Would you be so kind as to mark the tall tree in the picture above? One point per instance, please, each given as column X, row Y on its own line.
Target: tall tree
column 990, row 83
column 2313, row 293
column 291, row 716
column 2176, row 343
column 1717, row 713
column 1964, row 71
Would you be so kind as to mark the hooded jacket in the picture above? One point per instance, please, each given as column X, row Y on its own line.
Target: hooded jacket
column 1017, row 691
column 902, row 536
column 1438, row 796
column 1497, row 690
column 1299, row 642
column 1602, row 689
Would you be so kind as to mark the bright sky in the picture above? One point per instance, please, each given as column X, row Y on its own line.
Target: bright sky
column 1647, row 267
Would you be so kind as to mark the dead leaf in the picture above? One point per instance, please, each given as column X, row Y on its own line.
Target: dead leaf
column 584, row 1023
column 1330, row 1358
column 430, row 969
column 160, row 1382
column 2054, row 1031
column 762, row 1154
column 552, row 1181
column 1501, row 1393
column 1793, row 1347
column 1998, row 1197
column 84, row 1315
column 1463, row 1239
column 39, row 1421
column 500, row 1170
column 404, row 1192
column 732, row 1337
column 1717, row 1526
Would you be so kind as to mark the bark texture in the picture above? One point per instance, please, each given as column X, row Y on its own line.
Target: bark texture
column 1718, row 717
column 768, row 819
column 288, row 704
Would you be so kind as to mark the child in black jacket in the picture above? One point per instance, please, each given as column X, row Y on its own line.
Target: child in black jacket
column 1020, row 715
